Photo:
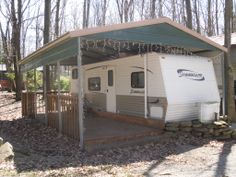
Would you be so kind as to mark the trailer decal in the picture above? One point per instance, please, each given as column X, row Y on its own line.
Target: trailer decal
column 192, row 75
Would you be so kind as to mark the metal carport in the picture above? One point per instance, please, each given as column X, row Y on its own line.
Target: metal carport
column 70, row 46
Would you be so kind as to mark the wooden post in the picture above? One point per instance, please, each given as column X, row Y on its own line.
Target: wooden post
column 145, row 83
column 80, row 96
column 27, row 95
column 35, row 95
column 45, row 95
column 59, row 96
column 223, row 85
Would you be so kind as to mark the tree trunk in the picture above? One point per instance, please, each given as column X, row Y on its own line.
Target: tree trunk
column 15, row 44
column 230, row 105
column 84, row 13
column 217, row 19
column 173, row 10
column 57, row 18
column 88, row 12
column 153, row 9
column 209, row 19
column 104, row 10
column 120, row 6
column 47, row 23
column 196, row 10
column 46, row 37
column 160, row 13
column 189, row 14
column 6, row 47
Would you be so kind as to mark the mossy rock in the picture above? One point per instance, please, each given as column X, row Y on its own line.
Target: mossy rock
column 201, row 129
column 197, row 134
column 186, row 124
column 197, row 125
column 172, row 129
column 186, row 129
column 224, row 137
column 228, row 132
column 172, row 124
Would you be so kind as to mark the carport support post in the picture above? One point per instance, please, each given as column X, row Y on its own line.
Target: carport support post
column 27, row 94
column 80, row 96
column 45, row 94
column 223, row 86
column 145, row 83
column 59, row 96
column 35, row 95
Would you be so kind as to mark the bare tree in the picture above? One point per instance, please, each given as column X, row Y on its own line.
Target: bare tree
column 38, row 28
column 197, row 15
column 124, row 7
column 16, row 21
column 216, row 17
column 57, row 18
column 182, row 15
column 189, row 14
column 173, row 7
column 86, row 12
column 6, row 46
column 46, row 37
column 104, row 11
column 153, row 9
column 160, row 8
column 100, row 9
column 209, row 19
column 228, row 66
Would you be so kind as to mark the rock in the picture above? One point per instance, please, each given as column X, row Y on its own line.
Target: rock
column 228, row 132
column 172, row 124
column 210, row 126
column 1, row 141
column 223, row 129
column 198, row 134
column 197, row 125
column 221, row 124
column 201, row 129
column 224, row 137
column 6, row 152
column 172, row 129
column 211, row 130
column 206, row 135
column 186, row 129
column 216, row 134
column 186, row 124
column 233, row 134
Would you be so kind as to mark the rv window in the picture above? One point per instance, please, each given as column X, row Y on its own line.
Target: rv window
column 75, row 73
column 137, row 79
column 94, row 84
column 110, row 78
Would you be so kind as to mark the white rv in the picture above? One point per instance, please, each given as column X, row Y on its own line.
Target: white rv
column 178, row 87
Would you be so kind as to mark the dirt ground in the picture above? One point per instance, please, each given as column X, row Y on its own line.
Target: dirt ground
column 40, row 151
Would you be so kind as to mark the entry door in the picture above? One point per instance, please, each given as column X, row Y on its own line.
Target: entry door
column 111, row 91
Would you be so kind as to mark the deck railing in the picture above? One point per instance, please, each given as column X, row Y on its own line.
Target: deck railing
column 28, row 100
column 69, row 113
column 33, row 104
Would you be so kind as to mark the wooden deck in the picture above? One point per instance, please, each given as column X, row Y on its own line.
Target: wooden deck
column 99, row 127
column 103, row 130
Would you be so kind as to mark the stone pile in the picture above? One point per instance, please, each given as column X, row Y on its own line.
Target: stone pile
column 6, row 151
column 218, row 129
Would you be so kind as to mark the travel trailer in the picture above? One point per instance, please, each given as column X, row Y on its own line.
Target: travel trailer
column 178, row 87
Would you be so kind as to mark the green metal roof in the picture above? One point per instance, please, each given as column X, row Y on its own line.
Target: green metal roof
column 162, row 31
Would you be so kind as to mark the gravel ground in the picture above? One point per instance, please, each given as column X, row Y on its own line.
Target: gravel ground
column 40, row 151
